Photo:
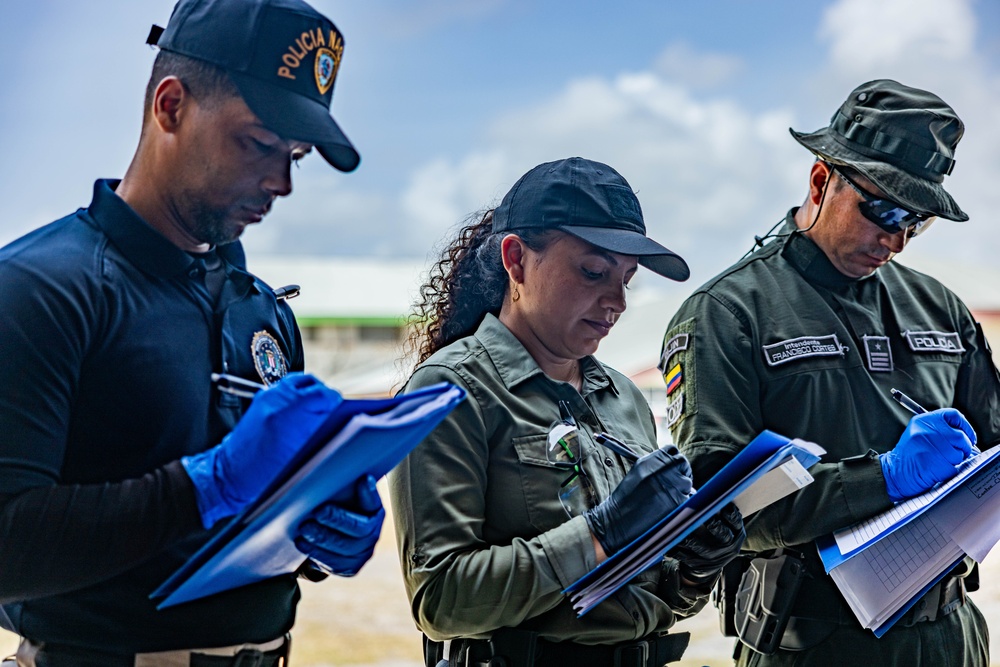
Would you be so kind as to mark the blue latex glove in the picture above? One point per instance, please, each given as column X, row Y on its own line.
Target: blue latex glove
column 927, row 453
column 339, row 540
column 279, row 421
column 654, row 487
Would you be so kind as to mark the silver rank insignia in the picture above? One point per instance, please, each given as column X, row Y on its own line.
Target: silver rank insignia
column 268, row 358
column 878, row 352
column 675, row 409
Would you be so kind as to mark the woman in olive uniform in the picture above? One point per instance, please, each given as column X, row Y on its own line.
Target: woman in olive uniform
column 511, row 499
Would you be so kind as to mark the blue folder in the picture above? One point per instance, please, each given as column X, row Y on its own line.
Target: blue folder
column 762, row 454
column 361, row 437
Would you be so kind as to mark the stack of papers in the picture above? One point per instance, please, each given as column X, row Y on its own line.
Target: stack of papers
column 884, row 565
column 362, row 437
column 767, row 469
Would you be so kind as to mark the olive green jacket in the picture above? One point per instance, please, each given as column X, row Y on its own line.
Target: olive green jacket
column 783, row 341
column 483, row 539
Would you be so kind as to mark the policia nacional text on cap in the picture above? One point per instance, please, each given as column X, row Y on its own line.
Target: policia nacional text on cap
column 283, row 57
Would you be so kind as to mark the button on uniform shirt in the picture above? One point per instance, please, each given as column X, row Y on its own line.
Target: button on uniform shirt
column 109, row 337
column 484, row 541
column 784, row 341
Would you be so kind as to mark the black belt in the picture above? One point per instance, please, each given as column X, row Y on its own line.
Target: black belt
column 649, row 652
column 49, row 655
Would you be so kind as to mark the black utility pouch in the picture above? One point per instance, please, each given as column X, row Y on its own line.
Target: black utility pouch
column 724, row 593
column 765, row 599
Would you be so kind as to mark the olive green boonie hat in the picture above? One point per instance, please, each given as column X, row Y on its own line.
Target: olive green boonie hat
column 902, row 139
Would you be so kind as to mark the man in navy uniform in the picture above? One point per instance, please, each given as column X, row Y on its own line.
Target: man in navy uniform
column 118, row 457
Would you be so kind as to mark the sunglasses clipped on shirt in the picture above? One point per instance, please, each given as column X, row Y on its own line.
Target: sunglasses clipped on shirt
column 886, row 214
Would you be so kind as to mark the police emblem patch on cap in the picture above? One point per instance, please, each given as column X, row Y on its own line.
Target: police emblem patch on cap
column 268, row 358
column 326, row 69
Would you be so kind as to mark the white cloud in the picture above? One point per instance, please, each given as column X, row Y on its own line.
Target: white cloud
column 708, row 173
column 680, row 62
column 866, row 34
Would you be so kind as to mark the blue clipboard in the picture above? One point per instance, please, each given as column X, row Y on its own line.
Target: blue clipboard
column 361, row 437
column 761, row 455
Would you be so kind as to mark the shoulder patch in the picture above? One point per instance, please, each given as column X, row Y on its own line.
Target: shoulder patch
column 802, row 347
column 677, row 343
column 675, row 409
column 934, row 341
column 678, row 365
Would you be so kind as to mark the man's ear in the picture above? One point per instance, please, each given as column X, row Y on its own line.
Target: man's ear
column 819, row 176
column 170, row 103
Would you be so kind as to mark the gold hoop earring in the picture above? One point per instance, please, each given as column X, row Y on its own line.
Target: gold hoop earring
column 515, row 295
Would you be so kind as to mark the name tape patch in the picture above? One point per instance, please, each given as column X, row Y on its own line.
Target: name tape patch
column 934, row 341
column 802, row 348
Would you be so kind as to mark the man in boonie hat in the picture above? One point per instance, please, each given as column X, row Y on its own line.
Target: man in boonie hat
column 119, row 457
column 806, row 336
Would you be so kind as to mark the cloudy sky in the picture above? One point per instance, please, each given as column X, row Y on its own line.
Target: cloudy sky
column 449, row 101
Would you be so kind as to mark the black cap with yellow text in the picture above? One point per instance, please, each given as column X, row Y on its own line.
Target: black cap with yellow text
column 282, row 55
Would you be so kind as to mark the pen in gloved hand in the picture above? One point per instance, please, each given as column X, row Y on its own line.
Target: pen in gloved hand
column 616, row 445
column 916, row 408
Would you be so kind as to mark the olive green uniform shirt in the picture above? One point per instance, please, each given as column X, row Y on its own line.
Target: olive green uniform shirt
column 483, row 539
column 783, row 341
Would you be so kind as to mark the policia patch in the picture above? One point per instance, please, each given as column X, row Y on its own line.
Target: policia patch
column 677, row 363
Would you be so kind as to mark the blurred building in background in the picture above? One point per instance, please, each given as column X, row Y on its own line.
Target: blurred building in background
column 353, row 316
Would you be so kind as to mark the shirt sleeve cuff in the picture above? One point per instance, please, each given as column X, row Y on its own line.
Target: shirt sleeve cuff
column 864, row 486
column 570, row 550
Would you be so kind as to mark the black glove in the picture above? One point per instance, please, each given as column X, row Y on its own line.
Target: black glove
column 654, row 487
column 704, row 552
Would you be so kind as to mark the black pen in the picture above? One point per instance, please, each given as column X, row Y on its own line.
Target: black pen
column 236, row 386
column 917, row 409
column 616, row 445
column 907, row 402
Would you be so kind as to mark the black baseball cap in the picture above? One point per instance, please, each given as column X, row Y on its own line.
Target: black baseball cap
column 282, row 55
column 591, row 201
column 902, row 139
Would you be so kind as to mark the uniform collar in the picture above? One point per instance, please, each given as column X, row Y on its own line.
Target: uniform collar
column 808, row 259
column 145, row 247
column 515, row 365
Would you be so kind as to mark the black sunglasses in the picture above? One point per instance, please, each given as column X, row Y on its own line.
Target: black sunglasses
column 885, row 213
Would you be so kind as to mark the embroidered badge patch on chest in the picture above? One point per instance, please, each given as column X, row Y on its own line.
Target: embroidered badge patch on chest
column 802, row 347
column 934, row 341
column 878, row 353
column 268, row 358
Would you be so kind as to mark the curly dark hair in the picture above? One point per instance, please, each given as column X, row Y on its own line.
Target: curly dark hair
column 466, row 283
